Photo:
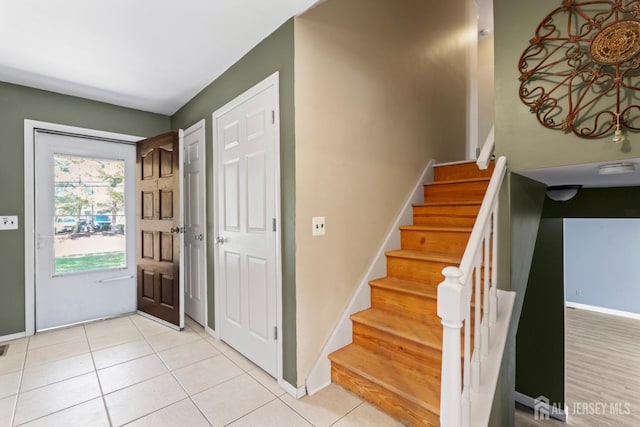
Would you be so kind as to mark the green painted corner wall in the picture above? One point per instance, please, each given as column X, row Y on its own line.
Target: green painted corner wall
column 18, row 103
column 275, row 53
column 521, row 204
column 540, row 340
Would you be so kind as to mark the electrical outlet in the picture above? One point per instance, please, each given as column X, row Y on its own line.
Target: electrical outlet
column 579, row 293
column 8, row 222
column 318, row 226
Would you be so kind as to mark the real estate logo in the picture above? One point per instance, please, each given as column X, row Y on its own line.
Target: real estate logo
column 541, row 408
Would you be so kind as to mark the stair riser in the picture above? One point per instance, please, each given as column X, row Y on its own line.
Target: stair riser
column 437, row 242
column 428, row 272
column 461, row 171
column 448, row 210
column 402, row 409
column 444, row 221
column 463, row 191
column 394, row 347
column 447, row 215
column 409, row 305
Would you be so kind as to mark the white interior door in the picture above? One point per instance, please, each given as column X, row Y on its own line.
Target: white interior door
column 195, row 223
column 247, row 215
column 84, row 224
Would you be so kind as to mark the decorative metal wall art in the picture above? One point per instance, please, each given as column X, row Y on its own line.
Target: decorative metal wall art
column 581, row 71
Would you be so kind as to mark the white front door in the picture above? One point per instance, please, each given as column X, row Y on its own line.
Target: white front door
column 245, row 143
column 195, row 223
column 85, row 229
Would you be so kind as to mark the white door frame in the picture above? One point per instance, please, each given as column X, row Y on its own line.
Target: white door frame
column 30, row 126
column 272, row 80
column 200, row 126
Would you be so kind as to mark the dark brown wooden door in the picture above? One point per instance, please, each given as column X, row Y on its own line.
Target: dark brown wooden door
column 158, row 226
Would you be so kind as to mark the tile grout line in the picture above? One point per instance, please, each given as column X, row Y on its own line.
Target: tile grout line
column 95, row 370
column 345, row 415
column 24, row 363
column 57, row 382
column 294, row 410
column 174, row 378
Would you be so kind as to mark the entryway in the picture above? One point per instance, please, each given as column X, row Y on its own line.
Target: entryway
column 80, row 225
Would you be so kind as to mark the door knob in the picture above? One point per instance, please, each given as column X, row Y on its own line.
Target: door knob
column 175, row 229
column 220, row 240
column 200, row 237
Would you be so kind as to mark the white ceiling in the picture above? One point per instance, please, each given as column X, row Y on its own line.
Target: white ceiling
column 152, row 55
column 586, row 175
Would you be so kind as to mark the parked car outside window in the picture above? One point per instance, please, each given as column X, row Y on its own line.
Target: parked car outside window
column 101, row 222
column 64, row 224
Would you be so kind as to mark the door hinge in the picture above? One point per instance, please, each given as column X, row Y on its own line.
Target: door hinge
column 273, row 117
column 273, row 221
column 275, row 333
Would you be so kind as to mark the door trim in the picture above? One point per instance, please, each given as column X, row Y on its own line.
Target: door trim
column 30, row 126
column 272, row 80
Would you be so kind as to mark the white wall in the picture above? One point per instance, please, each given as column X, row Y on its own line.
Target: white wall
column 602, row 262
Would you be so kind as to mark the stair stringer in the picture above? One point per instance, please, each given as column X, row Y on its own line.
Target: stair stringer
column 320, row 375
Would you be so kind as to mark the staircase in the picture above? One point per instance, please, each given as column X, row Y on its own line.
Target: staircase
column 394, row 360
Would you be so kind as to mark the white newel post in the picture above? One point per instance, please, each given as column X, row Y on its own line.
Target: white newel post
column 451, row 309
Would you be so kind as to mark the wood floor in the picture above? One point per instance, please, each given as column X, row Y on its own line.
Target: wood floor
column 603, row 367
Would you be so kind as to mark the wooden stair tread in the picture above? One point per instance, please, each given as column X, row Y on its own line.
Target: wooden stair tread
column 406, row 286
column 492, row 162
column 421, row 387
column 446, row 203
column 459, row 181
column 408, row 329
column 424, row 256
column 436, row 228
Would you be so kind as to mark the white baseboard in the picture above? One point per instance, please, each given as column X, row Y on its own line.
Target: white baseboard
column 296, row 393
column 320, row 374
column 530, row 402
column 11, row 337
column 620, row 313
column 211, row 332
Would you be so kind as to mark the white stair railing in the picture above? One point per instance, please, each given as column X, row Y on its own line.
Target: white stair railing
column 476, row 278
column 487, row 149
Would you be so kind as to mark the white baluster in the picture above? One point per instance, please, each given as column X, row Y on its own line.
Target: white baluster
column 486, row 290
column 493, row 314
column 477, row 340
column 451, row 309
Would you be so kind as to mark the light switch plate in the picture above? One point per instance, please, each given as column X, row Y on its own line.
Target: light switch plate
column 8, row 222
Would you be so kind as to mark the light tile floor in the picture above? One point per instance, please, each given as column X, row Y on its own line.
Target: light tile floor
column 133, row 371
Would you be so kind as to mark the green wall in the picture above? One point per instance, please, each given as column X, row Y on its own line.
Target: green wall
column 521, row 208
column 519, row 136
column 540, row 342
column 275, row 53
column 16, row 104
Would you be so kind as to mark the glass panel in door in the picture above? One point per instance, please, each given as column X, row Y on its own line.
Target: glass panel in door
column 89, row 214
